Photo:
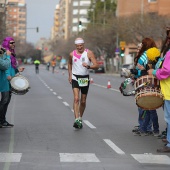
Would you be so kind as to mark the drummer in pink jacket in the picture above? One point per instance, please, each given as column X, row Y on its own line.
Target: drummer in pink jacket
column 163, row 74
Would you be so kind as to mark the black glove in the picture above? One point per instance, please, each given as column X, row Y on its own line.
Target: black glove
column 134, row 71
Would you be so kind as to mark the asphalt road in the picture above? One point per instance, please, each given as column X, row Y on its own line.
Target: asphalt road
column 43, row 137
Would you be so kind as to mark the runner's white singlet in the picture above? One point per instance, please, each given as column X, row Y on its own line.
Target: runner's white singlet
column 77, row 67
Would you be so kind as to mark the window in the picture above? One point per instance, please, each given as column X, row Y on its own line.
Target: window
column 75, row 3
column 152, row 0
column 75, row 11
column 74, row 29
column 75, row 20
column 83, row 11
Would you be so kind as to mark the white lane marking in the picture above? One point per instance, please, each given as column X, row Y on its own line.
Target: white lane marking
column 152, row 159
column 66, row 104
column 54, row 93
column 106, row 87
column 114, row 90
column 89, row 124
column 72, row 110
column 99, row 85
column 59, row 97
column 78, row 157
column 114, row 147
column 51, row 89
column 10, row 157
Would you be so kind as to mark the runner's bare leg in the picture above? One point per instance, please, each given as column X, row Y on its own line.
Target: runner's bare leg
column 76, row 102
column 82, row 104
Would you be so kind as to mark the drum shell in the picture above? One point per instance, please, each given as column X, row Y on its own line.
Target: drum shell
column 148, row 97
column 150, row 79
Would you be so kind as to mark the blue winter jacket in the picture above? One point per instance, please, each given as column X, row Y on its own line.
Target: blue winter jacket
column 5, row 63
column 143, row 60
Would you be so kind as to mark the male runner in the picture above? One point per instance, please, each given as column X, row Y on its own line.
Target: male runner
column 80, row 61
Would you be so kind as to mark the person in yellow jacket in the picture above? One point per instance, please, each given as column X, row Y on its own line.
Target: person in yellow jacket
column 36, row 63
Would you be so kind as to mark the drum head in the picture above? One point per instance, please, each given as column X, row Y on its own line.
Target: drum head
column 19, row 83
column 149, row 102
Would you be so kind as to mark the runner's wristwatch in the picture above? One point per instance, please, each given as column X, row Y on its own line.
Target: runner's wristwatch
column 88, row 67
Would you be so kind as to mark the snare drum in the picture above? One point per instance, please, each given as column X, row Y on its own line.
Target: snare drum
column 148, row 95
column 19, row 85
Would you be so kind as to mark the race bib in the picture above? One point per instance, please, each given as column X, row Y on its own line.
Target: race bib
column 83, row 82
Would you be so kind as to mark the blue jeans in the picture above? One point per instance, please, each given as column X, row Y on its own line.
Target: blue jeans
column 141, row 120
column 167, row 119
column 146, row 119
column 5, row 100
column 151, row 117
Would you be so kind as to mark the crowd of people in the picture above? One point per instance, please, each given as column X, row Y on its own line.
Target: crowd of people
column 80, row 61
column 160, row 69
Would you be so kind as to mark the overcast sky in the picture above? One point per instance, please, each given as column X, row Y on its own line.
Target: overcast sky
column 40, row 13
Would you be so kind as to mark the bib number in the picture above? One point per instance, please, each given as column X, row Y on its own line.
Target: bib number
column 83, row 82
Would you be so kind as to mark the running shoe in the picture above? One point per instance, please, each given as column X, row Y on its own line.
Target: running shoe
column 162, row 135
column 156, row 134
column 139, row 133
column 77, row 124
column 150, row 133
column 6, row 124
column 135, row 129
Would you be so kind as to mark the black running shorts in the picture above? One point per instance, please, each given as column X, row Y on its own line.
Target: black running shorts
column 84, row 90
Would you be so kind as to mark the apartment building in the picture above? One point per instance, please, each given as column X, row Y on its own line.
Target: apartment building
column 2, row 6
column 2, row 19
column 62, row 19
column 68, row 16
column 129, row 7
column 79, row 15
column 55, row 28
column 16, row 19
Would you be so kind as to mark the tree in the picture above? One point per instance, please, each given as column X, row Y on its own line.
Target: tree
column 132, row 29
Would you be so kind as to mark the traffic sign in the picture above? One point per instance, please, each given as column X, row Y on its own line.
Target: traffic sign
column 122, row 43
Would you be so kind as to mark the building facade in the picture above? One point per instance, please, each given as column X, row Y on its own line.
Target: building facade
column 79, row 15
column 129, row 7
column 16, row 19
column 68, row 15
column 55, row 28
column 62, row 17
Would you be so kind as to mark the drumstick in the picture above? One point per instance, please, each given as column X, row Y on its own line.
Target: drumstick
column 144, row 84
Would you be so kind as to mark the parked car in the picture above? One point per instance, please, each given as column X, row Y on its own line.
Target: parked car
column 125, row 70
column 101, row 67
column 63, row 64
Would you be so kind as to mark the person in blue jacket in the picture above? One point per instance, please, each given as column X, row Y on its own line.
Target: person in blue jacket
column 9, row 45
column 147, row 118
column 4, row 65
